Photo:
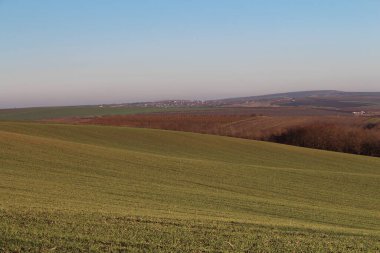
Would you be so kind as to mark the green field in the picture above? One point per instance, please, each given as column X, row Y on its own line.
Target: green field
column 70, row 188
column 41, row 113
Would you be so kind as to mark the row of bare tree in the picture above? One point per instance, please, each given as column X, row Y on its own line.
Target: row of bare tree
column 336, row 137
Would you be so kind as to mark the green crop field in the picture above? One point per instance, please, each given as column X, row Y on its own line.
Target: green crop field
column 79, row 188
column 41, row 113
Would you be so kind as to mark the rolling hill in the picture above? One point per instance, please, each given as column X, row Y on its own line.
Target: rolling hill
column 339, row 100
column 68, row 188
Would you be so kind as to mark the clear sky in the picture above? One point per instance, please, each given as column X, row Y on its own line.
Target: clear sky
column 96, row 51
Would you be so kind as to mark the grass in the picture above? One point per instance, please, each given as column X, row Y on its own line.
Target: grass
column 42, row 113
column 94, row 188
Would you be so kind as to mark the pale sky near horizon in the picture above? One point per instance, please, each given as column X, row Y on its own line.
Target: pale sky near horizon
column 88, row 52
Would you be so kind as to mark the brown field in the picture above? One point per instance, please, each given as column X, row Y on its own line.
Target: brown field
column 242, row 126
column 322, row 129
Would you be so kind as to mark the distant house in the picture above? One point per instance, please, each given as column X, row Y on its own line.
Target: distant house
column 361, row 113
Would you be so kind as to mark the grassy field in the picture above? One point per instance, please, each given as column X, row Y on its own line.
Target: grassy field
column 86, row 188
column 42, row 113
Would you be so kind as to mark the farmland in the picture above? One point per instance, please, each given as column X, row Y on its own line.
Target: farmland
column 43, row 113
column 314, row 127
column 72, row 188
column 357, row 135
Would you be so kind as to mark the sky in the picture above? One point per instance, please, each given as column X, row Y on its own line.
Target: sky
column 96, row 51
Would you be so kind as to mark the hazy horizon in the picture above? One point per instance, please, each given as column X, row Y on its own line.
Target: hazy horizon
column 94, row 52
column 169, row 98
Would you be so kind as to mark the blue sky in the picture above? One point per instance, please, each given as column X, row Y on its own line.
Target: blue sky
column 87, row 52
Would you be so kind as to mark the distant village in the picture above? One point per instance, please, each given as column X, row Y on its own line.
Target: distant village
column 361, row 113
column 163, row 104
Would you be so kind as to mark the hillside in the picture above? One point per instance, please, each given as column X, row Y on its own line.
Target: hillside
column 81, row 188
column 339, row 100
column 348, row 134
column 296, row 94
